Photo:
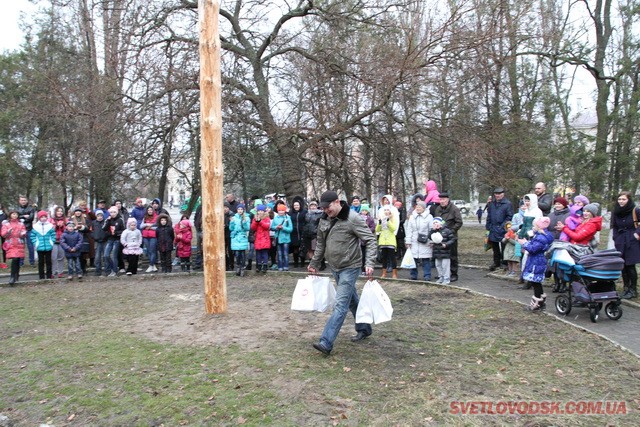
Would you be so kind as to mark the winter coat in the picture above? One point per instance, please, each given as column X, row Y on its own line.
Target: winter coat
column 451, row 216
column 59, row 225
column 183, row 237
column 239, row 228
column 113, row 228
column 165, row 234
column 443, row 250
column 339, row 241
column 386, row 229
column 69, row 241
column 138, row 212
column 26, row 215
column 149, row 232
column 545, row 203
column 623, row 228
column 97, row 232
column 261, row 228
column 498, row 213
column 395, row 214
column 554, row 217
column 160, row 209
column 43, row 236
column 131, row 241
column 432, row 195
column 283, row 235
column 14, row 232
column 311, row 223
column 510, row 242
column 586, row 231
column 572, row 221
column 82, row 227
column 418, row 224
column 298, row 219
column 536, row 264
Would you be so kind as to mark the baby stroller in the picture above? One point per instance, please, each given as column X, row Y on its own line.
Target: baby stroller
column 592, row 282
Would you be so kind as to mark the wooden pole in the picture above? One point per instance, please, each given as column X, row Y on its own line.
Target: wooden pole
column 212, row 174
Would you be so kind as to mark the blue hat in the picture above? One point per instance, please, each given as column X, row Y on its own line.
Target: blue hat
column 438, row 220
column 240, row 206
column 261, row 207
column 99, row 212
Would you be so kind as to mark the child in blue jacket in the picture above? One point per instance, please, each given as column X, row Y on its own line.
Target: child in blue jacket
column 283, row 226
column 71, row 241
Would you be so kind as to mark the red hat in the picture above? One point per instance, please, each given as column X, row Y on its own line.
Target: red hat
column 282, row 207
column 561, row 200
column 42, row 213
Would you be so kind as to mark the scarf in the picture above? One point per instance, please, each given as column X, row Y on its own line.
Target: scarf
column 622, row 211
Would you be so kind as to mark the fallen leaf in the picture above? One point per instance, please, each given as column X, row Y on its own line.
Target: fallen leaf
column 502, row 368
column 71, row 417
column 346, row 369
column 559, row 373
column 524, row 381
column 479, row 362
column 555, row 390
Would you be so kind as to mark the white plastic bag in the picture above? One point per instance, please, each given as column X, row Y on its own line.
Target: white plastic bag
column 313, row 293
column 374, row 305
column 407, row 260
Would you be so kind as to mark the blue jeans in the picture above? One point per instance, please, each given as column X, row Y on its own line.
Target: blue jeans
column 74, row 266
column 346, row 300
column 99, row 253
column 32, row 258
column 426, row 269
column 283, row 256
column 151, row 244
column 111, row 256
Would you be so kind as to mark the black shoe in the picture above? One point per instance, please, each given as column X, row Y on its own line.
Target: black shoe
column 359, row 336
column 454, row 278
column 249, row 264
column 322, row 349
column 492, row 268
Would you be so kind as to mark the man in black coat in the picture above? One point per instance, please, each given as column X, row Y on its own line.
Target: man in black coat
column 453, row 221
column 499, row 211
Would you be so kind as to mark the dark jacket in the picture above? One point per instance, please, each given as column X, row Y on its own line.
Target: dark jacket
column 164, row 234
column 97, row 232
column 26, row 215
column 498, row 213
column 70, row 241
column 298, row 219
column 113, row 228
column 623, row 228
column 545, row 203
column 554, row 217
column 451, row 216
column 443, row 250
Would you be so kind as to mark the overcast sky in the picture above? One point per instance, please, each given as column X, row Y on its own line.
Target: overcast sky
column 10, row 34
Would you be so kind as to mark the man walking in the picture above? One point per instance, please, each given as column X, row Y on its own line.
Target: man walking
column 338, row 241
column 499, row 211
column 453, row 221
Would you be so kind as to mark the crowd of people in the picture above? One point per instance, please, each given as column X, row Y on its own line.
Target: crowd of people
column 522, row 238
column 102, row 238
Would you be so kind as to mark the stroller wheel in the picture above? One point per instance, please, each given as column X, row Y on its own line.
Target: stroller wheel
column 563, row 304
column 613, row 310
column 593, row 314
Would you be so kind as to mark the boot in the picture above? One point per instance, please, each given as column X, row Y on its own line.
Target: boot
column 249, row 264
column 265, row 268
column 12, row 280
column 238, row 271
column 537, row 304
column 384, row 273
column 394, row 273
column 241, row 271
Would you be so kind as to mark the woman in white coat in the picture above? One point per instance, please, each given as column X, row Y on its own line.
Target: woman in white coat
column 417, row 228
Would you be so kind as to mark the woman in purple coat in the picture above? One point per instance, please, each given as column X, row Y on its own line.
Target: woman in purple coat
column 626, row 235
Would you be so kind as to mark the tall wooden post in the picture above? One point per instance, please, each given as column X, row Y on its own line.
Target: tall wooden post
column 215, row 283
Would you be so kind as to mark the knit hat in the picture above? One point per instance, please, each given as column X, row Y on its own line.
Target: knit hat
column 438, row 220
column 78, row 209
column 185, row 223
column 70, row 223
column 240, row 206
column 132, row 221
column 282, row 207
column 561, row 200
column 421, row 203
column 261, row 207
column 542, row 223
column 580, row 198
column 99, row 212
column 365, row 207
column 592, row 207
column 397, row 204
column 315, row 202
column 42, row 213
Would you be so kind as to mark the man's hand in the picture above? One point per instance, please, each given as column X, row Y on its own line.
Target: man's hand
column 311, row 269
column 369, row 271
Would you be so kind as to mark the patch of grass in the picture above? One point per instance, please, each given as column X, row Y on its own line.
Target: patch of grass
column 68, row 356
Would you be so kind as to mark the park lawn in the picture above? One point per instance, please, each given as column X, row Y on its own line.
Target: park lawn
column 141, row 351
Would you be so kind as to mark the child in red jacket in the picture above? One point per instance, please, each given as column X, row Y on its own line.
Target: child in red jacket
column 183, row 243
column 261, row 225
